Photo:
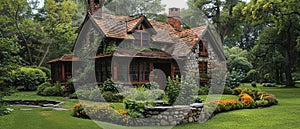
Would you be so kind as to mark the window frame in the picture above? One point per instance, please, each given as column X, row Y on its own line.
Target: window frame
column 139, row 40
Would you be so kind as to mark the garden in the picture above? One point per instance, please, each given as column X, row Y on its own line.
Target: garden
column 114, row 104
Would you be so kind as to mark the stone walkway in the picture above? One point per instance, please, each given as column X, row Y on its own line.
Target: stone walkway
column 55, row 105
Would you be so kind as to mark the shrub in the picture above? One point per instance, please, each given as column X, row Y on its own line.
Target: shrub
column 110, row 85
column 47, row 71
column 296, row 76
column 69, row 87
column 198, row 99
column 227, row 90
column 42, row 87
column 108, row 96
column 136, row 108
column 102, row 112
column 29, row 78
column 144, row 94
column 223, row 106
column 73, row 96
column 173, row 89
column 112, row 97
column 246, row 100
column 261, row 103
column 122, row 112
column 118, row 97
column 151, row 85
column 270, row 98
column 49, row 91
column 203, row 90
column 181, row 92
column 96, row 95
column 78, row 111
column 234, row 79
column 82, row 94
column 55, row 90
column 237, row 91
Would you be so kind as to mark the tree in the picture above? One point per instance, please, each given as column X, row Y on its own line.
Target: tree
column 226, row 15
column 49, row 29
column 237, row 59
column 14, row 16
column 58, row 27
column 9, row 61
column 135, row 7
column 283, row 23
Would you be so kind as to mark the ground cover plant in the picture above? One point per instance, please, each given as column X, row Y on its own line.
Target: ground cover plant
column 283, row 115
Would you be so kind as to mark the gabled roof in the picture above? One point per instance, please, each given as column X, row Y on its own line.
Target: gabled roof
column 64, row 58
column 122, row 27
column 188, row 39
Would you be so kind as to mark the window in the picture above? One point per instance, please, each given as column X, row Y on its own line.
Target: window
column 103, row 71
column 139, row 72
column 68, row 70
column 134, row 71
column 122, row 72
column 176, row 71
column 202, row 50
column 141, row 39
column 202, row 67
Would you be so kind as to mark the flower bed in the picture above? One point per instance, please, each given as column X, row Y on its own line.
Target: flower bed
column 152, row 116
column 143, row 113
column 248, row 99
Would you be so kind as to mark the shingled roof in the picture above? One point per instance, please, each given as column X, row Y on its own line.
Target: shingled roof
column 121, row 27
column 65, row 57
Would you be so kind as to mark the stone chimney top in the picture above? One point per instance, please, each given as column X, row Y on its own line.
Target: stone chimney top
column 174, row 18
column 174, row 12
column 94, row 7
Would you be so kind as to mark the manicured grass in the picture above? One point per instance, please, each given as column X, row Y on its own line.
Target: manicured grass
column 284, row 115
column 218, row 97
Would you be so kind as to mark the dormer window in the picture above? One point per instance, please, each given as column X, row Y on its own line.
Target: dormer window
column 141, row 39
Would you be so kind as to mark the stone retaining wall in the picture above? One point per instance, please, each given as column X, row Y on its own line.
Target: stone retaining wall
column 170, row 116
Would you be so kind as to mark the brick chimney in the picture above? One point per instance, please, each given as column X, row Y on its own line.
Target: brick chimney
column 94, row 7
column 174, row 18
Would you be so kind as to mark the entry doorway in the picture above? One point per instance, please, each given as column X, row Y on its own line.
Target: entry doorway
column 161, row 73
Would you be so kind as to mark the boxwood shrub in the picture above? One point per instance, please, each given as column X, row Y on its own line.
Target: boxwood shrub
column 28, row 78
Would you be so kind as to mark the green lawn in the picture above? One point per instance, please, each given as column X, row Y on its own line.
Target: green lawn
column 284, row 115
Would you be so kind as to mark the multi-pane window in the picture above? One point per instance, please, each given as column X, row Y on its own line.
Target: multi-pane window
column 141, row 39
column 139, row 71
column 103, row 71
column 202, row 50
column 176, row 71
column 134, row 71
column 202, row 67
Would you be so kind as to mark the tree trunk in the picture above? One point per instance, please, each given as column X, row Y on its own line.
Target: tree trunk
column 288, row 66
column 45, row 54
column 22, row 36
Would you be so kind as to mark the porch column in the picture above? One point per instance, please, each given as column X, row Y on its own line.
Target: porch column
column 62, row 72
column 151, row 76
column 172, row 70
column 115, row 71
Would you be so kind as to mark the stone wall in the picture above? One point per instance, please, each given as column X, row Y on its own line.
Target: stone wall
column 170, row 116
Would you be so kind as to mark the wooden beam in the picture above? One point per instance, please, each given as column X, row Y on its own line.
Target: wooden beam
column 151, row 76
column 115, row 71
column 63, row 72
column 172, row 70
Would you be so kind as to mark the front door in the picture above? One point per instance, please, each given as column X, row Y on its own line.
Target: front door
column 161, row 73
